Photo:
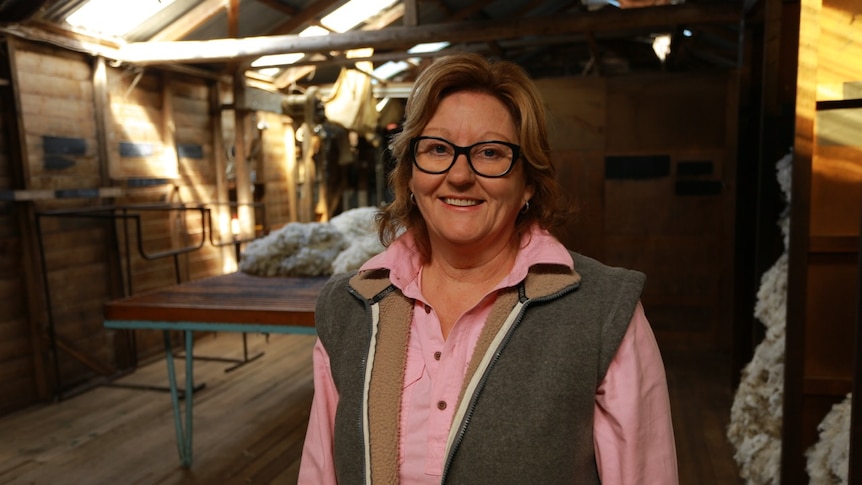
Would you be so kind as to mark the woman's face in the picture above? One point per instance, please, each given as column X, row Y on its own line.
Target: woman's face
column 460, row 207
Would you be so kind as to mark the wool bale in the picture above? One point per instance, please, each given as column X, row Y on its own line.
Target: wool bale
column 829, row 458
column 359, row 228
column 756, row 412
column 315, row 248
column 297, row 249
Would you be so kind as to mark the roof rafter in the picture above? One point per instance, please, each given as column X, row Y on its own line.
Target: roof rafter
column 660, row 18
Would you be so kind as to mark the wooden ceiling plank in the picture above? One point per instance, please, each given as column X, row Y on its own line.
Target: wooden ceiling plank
column 473, row 9
column 281, row 7
column 190, row 21
column 308, row 14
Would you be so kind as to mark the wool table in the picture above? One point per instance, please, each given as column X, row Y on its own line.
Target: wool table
column 235, row 302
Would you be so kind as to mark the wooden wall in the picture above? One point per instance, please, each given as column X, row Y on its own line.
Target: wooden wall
column 651, row 162
column 95, row 162
column 16, row 350
column 826, row 209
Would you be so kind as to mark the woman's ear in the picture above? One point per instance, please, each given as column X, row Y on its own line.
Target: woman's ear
column 529, row 192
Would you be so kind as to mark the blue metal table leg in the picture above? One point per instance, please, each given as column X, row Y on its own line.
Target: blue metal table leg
column 189, row 394
column 182, row 437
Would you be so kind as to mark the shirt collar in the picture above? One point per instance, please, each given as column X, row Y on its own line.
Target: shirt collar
column 402, row 258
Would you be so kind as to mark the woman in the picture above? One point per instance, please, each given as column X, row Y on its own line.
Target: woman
column 476, row 348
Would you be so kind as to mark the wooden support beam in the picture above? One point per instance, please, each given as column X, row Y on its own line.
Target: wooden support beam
column 244, row 197
column 606, row 20
column 233, row 19
column 792, row 446
column 411, row 13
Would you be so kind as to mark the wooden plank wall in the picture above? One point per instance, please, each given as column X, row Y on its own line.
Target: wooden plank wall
column 16, row 353
column 651, row 163
column 826, row 209
column 59, row 155
column 180, row 172
column 90, row 135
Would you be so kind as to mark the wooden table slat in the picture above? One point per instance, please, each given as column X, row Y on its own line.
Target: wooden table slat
column 231, row 298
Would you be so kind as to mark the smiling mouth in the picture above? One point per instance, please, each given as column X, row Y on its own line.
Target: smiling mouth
column 461, row 202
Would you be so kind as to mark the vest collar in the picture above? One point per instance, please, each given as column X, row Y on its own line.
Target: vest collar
column 542, row 280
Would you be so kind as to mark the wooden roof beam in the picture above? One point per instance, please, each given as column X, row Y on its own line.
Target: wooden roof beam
column 661, row 18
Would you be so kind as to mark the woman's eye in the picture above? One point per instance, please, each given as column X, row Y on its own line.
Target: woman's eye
column 438, row 149
column 490, row 153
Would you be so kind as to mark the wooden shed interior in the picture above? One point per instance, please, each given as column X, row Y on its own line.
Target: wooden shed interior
column 149, row 153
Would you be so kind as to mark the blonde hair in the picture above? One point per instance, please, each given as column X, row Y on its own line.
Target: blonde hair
column 510, row 84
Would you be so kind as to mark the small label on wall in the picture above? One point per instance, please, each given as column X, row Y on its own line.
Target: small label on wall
column 133, row 150
column 637, row 167
column 142, row 182
column 693, row 168
column 187, row 150
column 62, row 145
column 58, row 149
column 698, row 187
column 77, row 193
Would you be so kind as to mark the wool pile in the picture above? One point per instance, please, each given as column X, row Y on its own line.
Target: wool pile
column 756, row 412
column 315, row 248
column 829, row 458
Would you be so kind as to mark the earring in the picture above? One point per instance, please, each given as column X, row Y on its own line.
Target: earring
column 526, row 207
column 412, row 198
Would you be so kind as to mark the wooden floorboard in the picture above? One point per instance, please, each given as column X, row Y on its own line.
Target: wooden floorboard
column 249, row 424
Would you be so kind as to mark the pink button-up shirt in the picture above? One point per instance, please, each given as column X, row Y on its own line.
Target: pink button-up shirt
column 633, row 433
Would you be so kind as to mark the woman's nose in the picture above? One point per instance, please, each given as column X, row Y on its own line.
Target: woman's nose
column 461, row 170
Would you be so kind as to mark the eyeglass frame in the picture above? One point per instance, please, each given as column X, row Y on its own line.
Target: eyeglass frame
column 459, row 150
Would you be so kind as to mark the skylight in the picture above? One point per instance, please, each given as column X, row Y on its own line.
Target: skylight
column 389, row 69
column 113, row 17
column 427, row 47
column 277, row 59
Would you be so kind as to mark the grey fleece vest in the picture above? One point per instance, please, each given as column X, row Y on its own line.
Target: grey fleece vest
column 526, row 409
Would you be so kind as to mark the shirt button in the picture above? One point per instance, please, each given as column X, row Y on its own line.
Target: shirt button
column 441, row 405
column 437, row 355
column 427, row 309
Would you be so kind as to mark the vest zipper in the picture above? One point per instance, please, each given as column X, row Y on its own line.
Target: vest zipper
column 469, row 414
column 364, row 364
column 470, row 409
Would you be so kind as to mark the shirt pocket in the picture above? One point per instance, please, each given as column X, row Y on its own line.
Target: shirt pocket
column 415, row 386
column 413, row 371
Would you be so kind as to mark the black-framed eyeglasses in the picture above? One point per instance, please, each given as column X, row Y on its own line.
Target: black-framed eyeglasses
column 490, row 159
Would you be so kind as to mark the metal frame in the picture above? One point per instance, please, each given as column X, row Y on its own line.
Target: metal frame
column 184, row 424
